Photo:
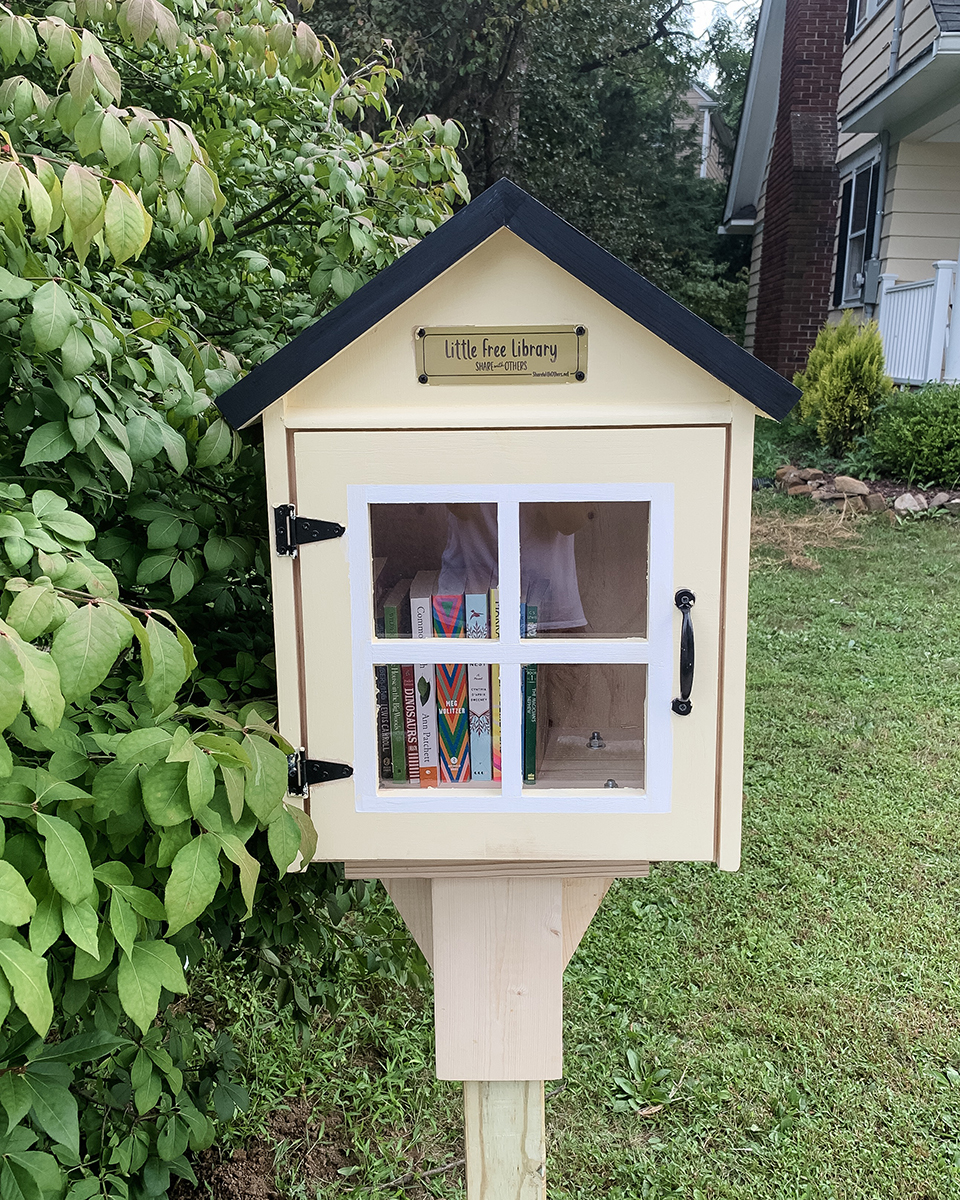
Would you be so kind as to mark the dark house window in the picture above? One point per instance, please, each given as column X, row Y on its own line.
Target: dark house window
column 857, row 236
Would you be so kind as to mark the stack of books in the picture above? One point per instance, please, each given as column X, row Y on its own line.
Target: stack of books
column 439, row 724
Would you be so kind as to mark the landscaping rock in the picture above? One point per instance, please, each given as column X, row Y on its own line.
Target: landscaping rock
column 784, row 470
column 908, row 502
column 854, row 504
column 788, row 480
column 826, row 493
column 800, row 489
column 875, row 502
column 809, row 473
column 850, row 486
column 940, row 500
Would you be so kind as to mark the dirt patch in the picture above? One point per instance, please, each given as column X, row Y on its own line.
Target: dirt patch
column 792, row 537
column 303, row 1144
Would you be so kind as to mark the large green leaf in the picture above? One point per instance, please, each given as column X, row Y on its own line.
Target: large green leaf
column 141, row 975
column 143, row 745
column 86, row 646
column 308, row 833
column 127, row 223
column 11, row 681
column 116, row 789
column 32, row 611
column 215, row 444
column 198, row 192
column 53, row 315
column 83, row 1047
column 82, row 926
column 54, row 1108
column 168, row 668
column 47, row 924
column 123, row 922
column 13, row 287
column 194, row 878
column 41, row 684
column 68, row 860
column 248, row 866
column 266, row 778
column 166, row 794
column 27, row 975
column 283, row 838
column 17, row 906
column 82, row 198
column 48, row 443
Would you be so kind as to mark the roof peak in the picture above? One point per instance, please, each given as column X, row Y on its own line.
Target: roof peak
column 505, row 205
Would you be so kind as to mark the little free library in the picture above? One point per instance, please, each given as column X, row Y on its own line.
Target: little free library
column 509, row 485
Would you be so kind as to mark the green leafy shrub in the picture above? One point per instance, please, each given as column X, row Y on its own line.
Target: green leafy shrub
column 844, row 381
column 916, row 435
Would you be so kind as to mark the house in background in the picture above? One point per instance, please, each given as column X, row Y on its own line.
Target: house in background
column 877, row 229
column 700, row 112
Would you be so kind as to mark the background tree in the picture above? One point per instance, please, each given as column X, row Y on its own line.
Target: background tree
column 577, row 102
column 181, row 190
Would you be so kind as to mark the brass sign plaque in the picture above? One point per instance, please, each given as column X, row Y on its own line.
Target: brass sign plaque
column 518, row 354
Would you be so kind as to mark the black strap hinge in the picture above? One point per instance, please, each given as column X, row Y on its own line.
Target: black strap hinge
column 293, row 531
column 303, row 771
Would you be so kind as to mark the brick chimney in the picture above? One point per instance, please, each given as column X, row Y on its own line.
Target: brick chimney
column 800, row 214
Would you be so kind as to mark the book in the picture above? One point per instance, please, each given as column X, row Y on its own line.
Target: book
column 533, row 601
column 496, row 771
column 421, row 624
column 449, row 615
column 378, row 593
column 410, row 722
column 396, row 617
column 476, row 604
column 530, row 723
column 453, row 725
column 383, row 725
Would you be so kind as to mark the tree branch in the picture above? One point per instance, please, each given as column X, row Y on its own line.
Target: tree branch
column 660, row 31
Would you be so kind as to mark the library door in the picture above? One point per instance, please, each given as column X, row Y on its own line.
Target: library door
column 493, row 644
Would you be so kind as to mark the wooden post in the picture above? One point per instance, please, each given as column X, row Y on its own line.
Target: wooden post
column 505, row 1140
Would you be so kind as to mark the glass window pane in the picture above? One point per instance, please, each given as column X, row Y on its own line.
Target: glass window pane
column 583, row 569
column 854, row 266
column 434, row 569
column 584, row 725
column 861, row 200
column 438, row 726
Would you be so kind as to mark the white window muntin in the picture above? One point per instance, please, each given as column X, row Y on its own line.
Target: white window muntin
column 657, row 650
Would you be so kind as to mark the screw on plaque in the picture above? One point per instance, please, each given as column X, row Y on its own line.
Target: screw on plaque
column 579, row 331
column 423, row 379
column 421, row 332
column 596, row 742
column 611, row 783
column 580, row 377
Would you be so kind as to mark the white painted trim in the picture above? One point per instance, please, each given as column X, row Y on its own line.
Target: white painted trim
column 657, row 651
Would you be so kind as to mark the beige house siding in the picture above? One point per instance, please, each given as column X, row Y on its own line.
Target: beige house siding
column 753, row 287
column 921, row 217
column 919, row 29
column 867, row 58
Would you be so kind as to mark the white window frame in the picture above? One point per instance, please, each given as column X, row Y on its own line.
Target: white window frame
column 657, row 651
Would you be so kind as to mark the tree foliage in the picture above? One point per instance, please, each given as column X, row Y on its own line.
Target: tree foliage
column 578, row 103
column 183, row 186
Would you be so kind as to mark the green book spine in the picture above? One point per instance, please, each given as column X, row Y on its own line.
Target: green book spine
column 530, row 723
column 398, row 733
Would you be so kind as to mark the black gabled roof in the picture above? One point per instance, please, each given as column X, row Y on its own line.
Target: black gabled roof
column 506, row 206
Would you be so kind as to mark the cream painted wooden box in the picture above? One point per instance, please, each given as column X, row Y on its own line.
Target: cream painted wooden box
column 585, row 503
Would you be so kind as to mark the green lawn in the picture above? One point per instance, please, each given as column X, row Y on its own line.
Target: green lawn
column 790, row 1032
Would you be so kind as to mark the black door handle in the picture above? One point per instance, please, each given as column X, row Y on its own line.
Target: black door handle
column 683, row 705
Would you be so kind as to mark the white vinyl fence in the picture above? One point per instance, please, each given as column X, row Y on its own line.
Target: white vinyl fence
column 914, row 320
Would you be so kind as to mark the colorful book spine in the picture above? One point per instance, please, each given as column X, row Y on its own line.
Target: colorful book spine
column 453, row 724
column 449, row 616
column 421, row 624
column 497, row 771
column 410, row 723
column 530, row 723
column 383, row 725
column 478, row 691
